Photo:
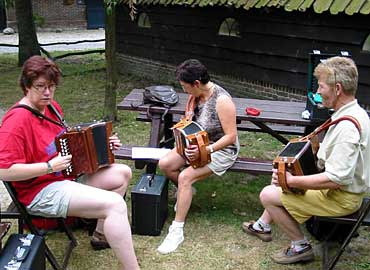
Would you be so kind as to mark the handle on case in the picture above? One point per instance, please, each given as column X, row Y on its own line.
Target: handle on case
column 151, row 179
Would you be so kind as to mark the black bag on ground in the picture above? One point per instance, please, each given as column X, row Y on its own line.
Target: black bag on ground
column 162, row 95
column 328, row 231
column 23, row 252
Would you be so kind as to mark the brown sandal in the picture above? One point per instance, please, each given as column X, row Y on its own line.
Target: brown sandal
column 98, row 241
column 263, row 235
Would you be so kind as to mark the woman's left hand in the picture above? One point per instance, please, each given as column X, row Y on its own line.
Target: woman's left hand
column 115, row 141
column 192, row 152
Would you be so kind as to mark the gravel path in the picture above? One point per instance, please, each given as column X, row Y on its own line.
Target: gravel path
column 64, row 36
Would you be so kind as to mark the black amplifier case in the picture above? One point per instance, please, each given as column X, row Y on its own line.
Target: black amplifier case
column 149, row 204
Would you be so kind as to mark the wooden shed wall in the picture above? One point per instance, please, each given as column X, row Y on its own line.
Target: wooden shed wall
column 273, row 46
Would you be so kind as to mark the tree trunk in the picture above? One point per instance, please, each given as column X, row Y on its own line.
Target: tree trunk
column 28, row 44
column 110, row 111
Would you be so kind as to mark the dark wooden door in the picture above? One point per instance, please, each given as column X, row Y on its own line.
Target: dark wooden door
column 95, row 14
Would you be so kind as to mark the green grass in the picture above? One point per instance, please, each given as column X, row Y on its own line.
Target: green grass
column 213, row 238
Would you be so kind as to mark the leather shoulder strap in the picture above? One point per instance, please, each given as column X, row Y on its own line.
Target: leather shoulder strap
column 38, row 114
column 190, row 106
column 56, row 112
column 329, row 123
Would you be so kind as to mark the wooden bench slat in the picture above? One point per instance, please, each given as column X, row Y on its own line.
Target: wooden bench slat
column 249, row 165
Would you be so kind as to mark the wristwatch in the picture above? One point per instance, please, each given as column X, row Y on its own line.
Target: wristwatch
column 211, row 149
column 50, row 169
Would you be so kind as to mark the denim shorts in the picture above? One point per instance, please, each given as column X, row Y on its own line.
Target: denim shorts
column 53, row 200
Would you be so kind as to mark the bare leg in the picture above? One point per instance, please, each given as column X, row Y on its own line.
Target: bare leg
column 171, row 165
column 184, row 194
column 113, row 178
column 110, row 208
column 270, row 198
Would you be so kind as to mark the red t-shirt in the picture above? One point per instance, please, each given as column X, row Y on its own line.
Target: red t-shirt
column 26, row 138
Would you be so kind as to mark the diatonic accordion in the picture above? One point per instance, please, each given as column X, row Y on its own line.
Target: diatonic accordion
column 89, row 145
column 297, row 157
column 187, row 133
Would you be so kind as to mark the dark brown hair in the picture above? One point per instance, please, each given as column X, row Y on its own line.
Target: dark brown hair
column 35, row 67
column 191, row 70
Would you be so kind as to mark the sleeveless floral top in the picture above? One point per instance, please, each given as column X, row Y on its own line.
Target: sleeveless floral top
column 205, row 114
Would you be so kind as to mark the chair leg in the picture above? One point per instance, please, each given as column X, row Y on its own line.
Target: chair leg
column 71, row 244
column 348, row 239
column 51, row 258
column 325, row 254
column 20, row 225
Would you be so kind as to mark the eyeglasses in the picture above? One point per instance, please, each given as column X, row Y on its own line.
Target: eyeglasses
column 43, row 87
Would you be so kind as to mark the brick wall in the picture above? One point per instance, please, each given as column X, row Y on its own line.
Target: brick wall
column 165, row 74
column 56, row 14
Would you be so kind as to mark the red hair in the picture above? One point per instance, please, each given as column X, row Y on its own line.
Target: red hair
column 35, row 67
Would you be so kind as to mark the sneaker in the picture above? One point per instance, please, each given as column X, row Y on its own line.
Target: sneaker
column 289, row 255
column 263, row 235
column 98, row 241
column 193, row 191
column 172, row 241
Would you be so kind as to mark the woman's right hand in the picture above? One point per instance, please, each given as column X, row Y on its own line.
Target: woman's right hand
column 60, row 163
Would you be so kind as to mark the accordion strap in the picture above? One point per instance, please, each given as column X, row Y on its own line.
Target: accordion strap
column 62, row 122
column 190, row 106
column 329, row 123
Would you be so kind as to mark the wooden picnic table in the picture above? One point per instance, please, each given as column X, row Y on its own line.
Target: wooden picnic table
column 274, row 115
column 272, row 112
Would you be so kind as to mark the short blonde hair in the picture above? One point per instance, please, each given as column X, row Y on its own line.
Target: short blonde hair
column 341, row 70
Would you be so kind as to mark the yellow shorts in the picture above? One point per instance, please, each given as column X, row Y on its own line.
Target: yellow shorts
column 327, row 202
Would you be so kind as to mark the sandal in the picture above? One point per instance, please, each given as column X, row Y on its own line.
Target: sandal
column 263, row 235
column 98, row 241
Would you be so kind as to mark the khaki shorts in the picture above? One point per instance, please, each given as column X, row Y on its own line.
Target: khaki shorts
column 53, row 200
column 223, row 159
column 326, row 202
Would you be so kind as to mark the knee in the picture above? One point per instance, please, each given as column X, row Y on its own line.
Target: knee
column 123, row 172
column 164, row 164
column 266, row 195
column 184, row 180
column 116, row 205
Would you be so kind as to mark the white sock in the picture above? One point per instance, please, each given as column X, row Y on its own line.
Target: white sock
column 176, row 224
column 299, row 244
column 259, row 225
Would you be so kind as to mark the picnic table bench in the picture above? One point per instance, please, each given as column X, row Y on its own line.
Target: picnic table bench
column 276, row 118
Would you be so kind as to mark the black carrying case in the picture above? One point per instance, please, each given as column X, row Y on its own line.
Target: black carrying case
column 149, row 208
column 31, row 257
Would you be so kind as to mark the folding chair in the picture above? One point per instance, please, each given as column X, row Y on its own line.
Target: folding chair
column 4, row 228
column 12, row 213
column 360, row 217
column 27, row 218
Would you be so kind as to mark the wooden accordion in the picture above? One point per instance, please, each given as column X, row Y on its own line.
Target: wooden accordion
column 187, row 132
column 299, row 155
column 89, row 146
column 298, row 158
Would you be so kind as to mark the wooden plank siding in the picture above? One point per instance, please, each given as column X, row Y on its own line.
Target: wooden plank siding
column 273, row 46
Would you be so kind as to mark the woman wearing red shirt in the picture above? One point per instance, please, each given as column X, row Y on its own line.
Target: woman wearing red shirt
column 29, row 159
